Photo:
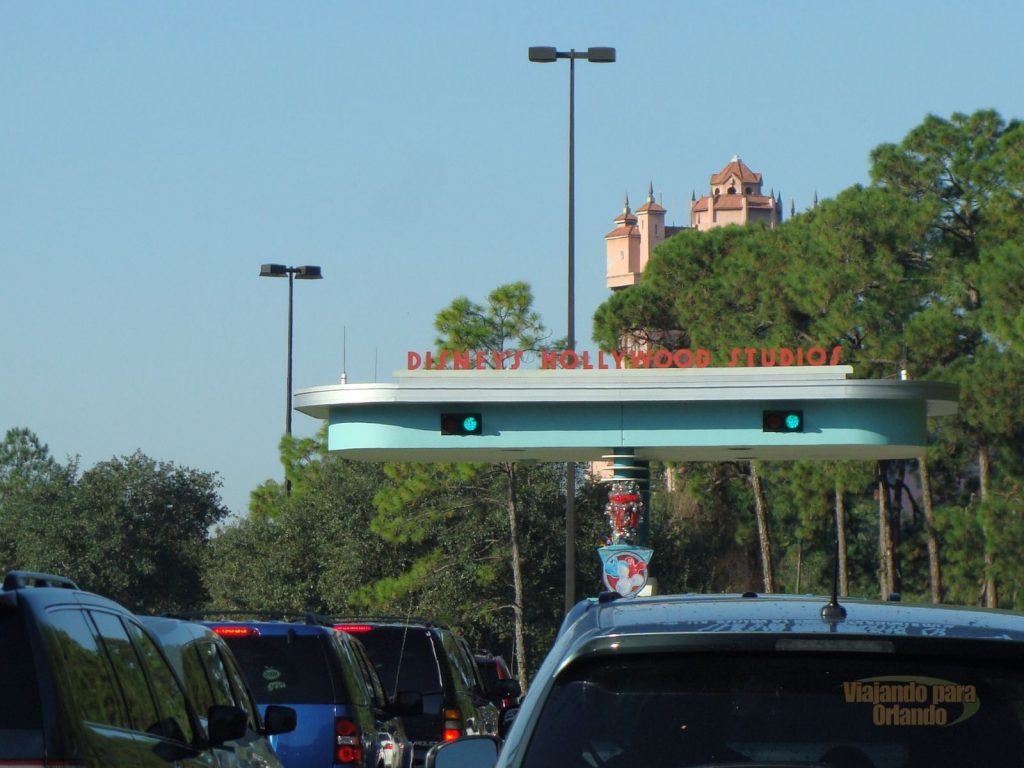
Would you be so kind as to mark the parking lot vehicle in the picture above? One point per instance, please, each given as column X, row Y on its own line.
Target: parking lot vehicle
column 210, row 674
column 499, row 686
column 86, row 686
column 420, row 655
column 326, row 678
column 754, row 680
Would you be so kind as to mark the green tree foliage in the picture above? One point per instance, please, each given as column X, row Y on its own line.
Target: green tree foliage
column 130, row 528
column 310, row 550
column 920, row 272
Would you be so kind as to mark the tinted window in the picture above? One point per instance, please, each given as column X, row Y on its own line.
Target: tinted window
column 368, row 673
column 287, row 669
column 86, row 669
column 142, row 710
column 197, row 685
column 239, row 688
column 463, row 667
column 792, row 708
column 359, row 690
column 20, row 715
column 175, row 721
column 213, row 663
column 404, row 658
column 488, row 673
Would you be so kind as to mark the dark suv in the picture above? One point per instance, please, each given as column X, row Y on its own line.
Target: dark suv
column 210, row 674
column 419, row 655
column 85, row 686
column 325, row 676
column 701, row 680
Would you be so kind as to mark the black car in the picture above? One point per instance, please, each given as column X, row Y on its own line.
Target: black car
column 420, row 655
column 85, row 685
column 499, row 685
column 768, row 680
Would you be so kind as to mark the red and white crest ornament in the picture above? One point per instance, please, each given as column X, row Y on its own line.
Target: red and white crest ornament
column 624, row 568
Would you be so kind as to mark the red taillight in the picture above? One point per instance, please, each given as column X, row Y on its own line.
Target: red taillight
column 452, row 724
column 347, row 746
column 353, row 628
column 237, row 631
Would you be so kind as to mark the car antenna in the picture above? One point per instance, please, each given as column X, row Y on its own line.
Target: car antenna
column 833, row 612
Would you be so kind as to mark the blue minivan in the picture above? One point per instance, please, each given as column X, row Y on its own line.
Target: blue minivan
column 322, row 674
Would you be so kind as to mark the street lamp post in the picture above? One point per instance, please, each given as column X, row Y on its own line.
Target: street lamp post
column 546, row 55
column 299, row 273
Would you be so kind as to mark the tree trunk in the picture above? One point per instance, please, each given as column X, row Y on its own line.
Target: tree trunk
column 760, row 511
column 886, row 555
column 991, row 588
column 844, row 577
column 934, row 567
column 517, row 576
column 799, row 565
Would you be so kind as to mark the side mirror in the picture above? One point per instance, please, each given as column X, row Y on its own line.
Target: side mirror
column 224, row 723
column 467, row 752
column 508, row 716
column 407, row 703
column 278, row 719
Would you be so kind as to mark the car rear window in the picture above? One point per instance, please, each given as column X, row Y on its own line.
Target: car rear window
column 869, row 710
column 21, row 719
column 404, row 658
column 488, row 672
column 287, row 669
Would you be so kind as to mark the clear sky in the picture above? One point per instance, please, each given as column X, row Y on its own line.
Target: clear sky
column 154, row 154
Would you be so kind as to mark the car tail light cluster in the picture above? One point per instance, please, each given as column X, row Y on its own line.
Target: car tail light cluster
column 232, row 631
column 353, row 629
column 348, row 748
column 452, row 724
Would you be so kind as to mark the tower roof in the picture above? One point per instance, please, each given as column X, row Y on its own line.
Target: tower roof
column 650, row 205
column 737, row 168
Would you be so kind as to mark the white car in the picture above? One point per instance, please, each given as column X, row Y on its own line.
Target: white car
column 388, row 750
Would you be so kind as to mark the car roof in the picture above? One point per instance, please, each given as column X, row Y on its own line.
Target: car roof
column 753, row 614
column 389, row 621
column 272, row 627
column 177, row 631
column 43, row 589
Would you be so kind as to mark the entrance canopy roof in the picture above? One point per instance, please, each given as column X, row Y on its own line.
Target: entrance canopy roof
column 692, row 414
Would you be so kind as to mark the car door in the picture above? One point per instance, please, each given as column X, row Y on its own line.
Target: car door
column 93, row 707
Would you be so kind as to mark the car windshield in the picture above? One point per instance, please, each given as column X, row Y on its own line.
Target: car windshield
column 802, row 709
column 286, row 669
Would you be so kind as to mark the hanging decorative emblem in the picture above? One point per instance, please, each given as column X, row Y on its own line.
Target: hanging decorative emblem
column 624, row 568
column 624, row 565
column 625, row 512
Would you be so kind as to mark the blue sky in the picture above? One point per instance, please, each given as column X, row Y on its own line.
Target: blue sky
column 154, row 154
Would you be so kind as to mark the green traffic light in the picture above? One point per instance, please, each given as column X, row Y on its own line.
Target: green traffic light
column 469, row 424
column 792, row 421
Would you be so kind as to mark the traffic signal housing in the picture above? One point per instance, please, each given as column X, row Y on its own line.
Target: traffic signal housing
column 782, row 421
column 462, row 424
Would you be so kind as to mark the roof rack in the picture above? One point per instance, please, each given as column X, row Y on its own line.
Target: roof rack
column 388, row 620
column 293, row 617
column 22, row 579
